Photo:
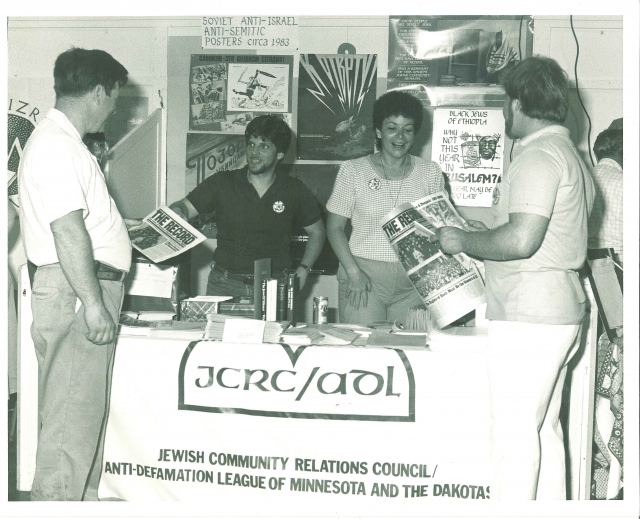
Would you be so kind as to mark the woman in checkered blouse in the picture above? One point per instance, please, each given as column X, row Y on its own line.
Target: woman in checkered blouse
column 373, row 285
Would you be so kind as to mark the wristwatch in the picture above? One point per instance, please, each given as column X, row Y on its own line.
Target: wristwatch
column 306, row 267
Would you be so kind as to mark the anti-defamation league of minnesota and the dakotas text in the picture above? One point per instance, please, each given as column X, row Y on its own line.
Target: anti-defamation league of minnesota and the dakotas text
column 304, row 467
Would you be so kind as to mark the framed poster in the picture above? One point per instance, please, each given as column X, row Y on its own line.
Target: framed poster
column 209, row 153
column 225, row 90
column 456, row 59
column 468, row 143
column 336, row 93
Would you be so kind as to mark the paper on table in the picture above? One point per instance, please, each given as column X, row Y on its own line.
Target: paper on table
column 243, row 330
column 212, row 299
column 152, row 281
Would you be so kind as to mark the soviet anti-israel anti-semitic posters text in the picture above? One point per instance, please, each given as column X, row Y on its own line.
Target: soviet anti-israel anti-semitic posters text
column 459, row 59
column 468, row 143
column 263, row 33
column 335, row 106
column 209, row 153
column 450, row 286
column 225, row 90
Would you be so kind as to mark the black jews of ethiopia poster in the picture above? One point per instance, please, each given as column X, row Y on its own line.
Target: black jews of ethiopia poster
column 335, row 106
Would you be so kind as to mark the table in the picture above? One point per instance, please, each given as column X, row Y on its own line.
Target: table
column 431, row 420
column 262, row 426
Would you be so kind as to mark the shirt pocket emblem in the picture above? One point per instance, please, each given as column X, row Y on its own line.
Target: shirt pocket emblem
column 278, row 207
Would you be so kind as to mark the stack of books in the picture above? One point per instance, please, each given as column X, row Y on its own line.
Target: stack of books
column 267, row 331
column 302, row 335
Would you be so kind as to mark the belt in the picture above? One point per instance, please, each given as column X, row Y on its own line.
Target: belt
column 247, row 279
column 103, row 271
column 109, row 273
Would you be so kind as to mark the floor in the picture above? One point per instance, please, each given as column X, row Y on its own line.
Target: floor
column 14, row 493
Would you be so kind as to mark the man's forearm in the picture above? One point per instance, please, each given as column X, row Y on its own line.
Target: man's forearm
column 519, row 238
column 313, row 247
column 497, row 244
column 184, row 209
column 75, row 253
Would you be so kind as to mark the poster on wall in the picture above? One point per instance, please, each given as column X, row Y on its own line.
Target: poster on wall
column 335, row 106
column 456, row 58
column 468, row 143
column 226, row 90
column 209, row 153
column 263, row 89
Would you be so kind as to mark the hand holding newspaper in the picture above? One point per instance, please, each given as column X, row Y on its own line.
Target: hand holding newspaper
column 163, row 235
column 450, row 286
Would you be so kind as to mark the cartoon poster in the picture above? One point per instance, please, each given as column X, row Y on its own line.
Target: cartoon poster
column 225, row 90
column 335, row 106
column 468, row 143
column 263, row 88
column 467, row 54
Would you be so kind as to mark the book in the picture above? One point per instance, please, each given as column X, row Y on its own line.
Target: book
column 292, row 291
column 263, row 300
column 282, row 300
column 302, row 335
column 271, row 307
column 261, row 271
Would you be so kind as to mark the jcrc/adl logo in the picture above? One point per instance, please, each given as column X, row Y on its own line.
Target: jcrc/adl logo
column 310, row 382
column 21, row 121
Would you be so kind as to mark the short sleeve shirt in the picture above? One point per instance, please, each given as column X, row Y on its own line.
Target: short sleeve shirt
column 251, row 227
column 58, row 175
column 364, row 196
column 547, row 178
column 605, row 221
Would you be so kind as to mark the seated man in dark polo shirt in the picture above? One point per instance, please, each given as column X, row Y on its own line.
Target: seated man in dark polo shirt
column 256, row 211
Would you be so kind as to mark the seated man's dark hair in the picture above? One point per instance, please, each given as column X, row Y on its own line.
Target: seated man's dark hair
column 396, row 103
column 608, row 144
column 272, row 128
column 541, row 86
column 78, row 71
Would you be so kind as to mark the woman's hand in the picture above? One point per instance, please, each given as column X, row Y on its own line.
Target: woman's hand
column 358, row 288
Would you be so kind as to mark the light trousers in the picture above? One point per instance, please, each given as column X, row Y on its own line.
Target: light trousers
column 391, row 296
column 527, row 366
column 74, row 380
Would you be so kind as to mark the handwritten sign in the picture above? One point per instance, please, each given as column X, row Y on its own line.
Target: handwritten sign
column 468, row 143
column 250, row 32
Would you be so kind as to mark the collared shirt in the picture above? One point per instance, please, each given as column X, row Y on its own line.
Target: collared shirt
column 58, row 175
column 548, row 178
column 364, row 196
column 251, row 227
column 605, row 221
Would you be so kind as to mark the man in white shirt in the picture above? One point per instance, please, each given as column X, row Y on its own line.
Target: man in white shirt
column 78, row 244
column 605, row 221
column 535, row 301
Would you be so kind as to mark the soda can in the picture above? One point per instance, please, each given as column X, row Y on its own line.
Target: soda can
column 320, row 308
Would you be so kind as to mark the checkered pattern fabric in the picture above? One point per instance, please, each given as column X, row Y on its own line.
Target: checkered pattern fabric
column 363, row 195
column 605, row 221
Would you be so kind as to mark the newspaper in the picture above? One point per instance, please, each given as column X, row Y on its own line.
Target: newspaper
column 450, row 286
column 163, row 235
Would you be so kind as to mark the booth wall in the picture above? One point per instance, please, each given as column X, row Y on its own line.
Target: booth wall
column 156, row 52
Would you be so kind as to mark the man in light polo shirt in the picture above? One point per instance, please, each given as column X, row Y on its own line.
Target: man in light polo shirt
column 257, row 209
column 78, row 243
column 535, row 300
